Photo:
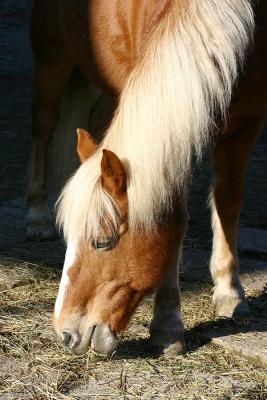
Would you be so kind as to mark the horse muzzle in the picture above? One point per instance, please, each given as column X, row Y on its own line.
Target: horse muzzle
column 99, row 337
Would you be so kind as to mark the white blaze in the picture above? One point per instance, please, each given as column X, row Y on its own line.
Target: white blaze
column 69, row 260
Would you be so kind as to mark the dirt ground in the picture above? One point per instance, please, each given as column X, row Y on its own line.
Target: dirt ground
column 32, row 364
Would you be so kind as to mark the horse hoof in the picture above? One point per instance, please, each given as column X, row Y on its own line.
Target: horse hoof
column 175, row 349
column 232, row 308
column 170, row 343
column 40, row 231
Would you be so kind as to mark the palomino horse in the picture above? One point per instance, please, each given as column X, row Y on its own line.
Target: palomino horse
column 172, row 64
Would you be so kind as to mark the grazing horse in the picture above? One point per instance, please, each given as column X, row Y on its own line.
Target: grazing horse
column 181, row 74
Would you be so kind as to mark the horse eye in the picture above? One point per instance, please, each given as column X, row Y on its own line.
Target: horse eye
column 103, row 243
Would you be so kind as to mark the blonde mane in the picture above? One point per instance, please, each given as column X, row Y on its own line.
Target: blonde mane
column 184, row 75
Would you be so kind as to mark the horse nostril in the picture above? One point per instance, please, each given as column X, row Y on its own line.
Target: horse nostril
column 69, row 339
column 66, row 337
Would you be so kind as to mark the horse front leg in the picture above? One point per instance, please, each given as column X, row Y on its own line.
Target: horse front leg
column 230, row 160
column 167, row 329
column 49, row 81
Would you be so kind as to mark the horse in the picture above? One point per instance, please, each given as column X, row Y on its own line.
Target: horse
column 172, row 77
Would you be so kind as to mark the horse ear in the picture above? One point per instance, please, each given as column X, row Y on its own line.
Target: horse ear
column 86, row 146
column 113, row 174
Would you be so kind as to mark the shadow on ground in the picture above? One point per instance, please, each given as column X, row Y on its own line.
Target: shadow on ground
column 202, row 334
